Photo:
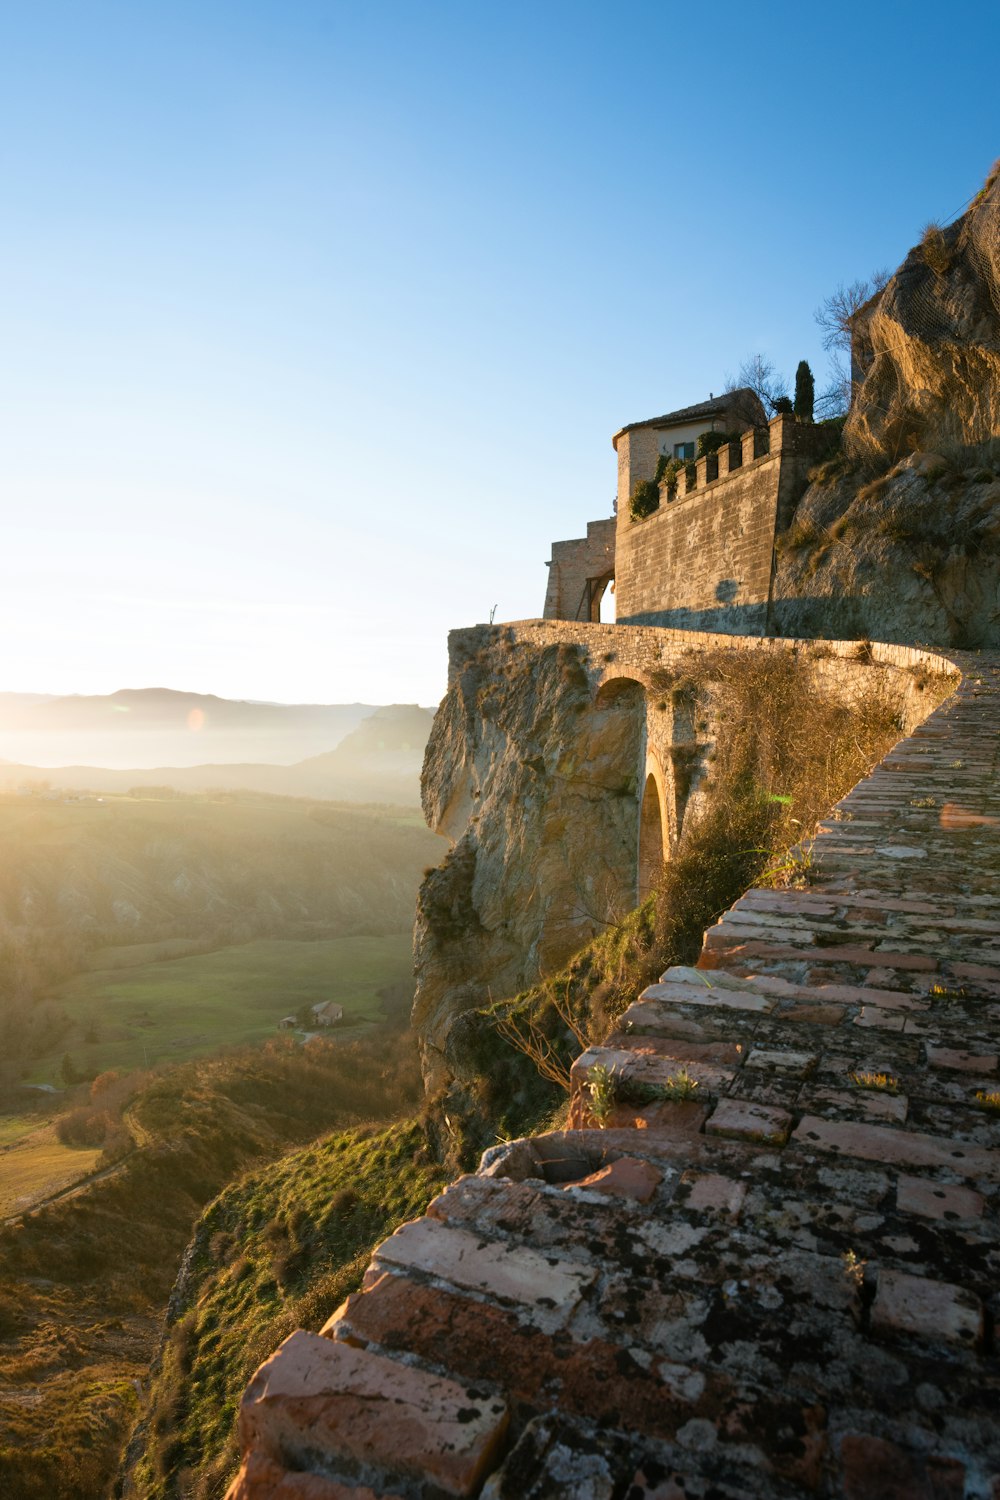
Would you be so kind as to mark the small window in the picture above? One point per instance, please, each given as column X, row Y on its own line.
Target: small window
column 684, row 450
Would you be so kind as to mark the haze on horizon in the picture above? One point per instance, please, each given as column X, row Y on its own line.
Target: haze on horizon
column 319, row 318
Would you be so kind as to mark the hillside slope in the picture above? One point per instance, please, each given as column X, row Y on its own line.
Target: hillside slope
column 84, row 1281
column 79, row 876
column 378, row 762
column 150, row 726
column 276, row 1251
column 129, row 869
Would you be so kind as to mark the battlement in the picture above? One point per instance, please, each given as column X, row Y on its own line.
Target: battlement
column 704, row 559
column 782, row 437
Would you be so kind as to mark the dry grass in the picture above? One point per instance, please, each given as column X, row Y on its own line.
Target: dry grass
column 39, row 1165
column 785, row 751
column 935, row 249
column 84, row 1281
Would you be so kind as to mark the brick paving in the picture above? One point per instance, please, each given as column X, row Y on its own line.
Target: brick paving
column 784, row 1284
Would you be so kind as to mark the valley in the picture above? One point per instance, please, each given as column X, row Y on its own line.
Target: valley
column 160, row 955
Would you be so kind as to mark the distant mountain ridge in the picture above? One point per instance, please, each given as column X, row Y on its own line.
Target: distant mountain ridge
column 379, row 760
column 156, row 707
column 151, row 728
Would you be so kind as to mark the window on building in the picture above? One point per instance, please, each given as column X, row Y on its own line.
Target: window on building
column 684, row 450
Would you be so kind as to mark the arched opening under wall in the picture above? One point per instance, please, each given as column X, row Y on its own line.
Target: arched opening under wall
column 650, row 838
column 599, row 600
column 615, row 755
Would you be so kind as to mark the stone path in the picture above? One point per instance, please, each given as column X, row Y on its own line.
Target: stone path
column 775, row 1272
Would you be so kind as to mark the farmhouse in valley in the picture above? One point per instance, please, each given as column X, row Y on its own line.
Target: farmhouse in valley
column 327, row 1013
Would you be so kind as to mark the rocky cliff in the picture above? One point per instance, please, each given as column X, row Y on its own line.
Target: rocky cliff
column 928, row 348
column 912, row 555
column 566, row 758
column 898, row 538
column 536, row 784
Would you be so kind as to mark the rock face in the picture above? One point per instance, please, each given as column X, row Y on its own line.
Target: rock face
column 561, row 766
column 928, row 347
column 913, row 556
column 537, row 785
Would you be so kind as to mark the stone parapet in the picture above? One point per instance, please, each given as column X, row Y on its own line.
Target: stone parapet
column 776, row 1281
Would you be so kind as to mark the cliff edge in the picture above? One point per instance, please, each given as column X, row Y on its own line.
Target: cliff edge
column 927, row 348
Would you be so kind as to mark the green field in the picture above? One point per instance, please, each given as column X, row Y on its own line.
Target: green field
column 144, row 1007
column 39, row 1165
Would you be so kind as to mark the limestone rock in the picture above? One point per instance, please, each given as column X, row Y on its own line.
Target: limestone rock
column 911, row 556
column 929, row 345
column 537, row 785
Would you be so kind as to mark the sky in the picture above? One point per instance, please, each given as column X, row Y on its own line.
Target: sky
column 317, row 316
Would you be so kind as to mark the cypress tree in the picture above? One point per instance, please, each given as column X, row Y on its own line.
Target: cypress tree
column 805, row 392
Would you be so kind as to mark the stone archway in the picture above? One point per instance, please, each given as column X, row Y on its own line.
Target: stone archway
column 599, row 603
column 650, row 838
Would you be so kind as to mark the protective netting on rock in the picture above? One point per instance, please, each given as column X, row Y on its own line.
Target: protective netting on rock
column 930, row 345
column 983, row 237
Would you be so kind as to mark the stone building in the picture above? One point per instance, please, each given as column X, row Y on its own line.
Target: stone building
column 704, row 559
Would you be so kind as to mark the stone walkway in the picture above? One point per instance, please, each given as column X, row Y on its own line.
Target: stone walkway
column 775, row 1272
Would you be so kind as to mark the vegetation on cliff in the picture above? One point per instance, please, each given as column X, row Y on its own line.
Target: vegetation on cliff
column 789, row 751
column 85, row 1278
column 930, row 523
column 276, row 1251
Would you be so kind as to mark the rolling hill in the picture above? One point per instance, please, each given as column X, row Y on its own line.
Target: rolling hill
column 376, row 759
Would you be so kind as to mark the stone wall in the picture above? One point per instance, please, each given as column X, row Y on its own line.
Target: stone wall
column 705, row 559
column 538, row 771
column 577, row 570
column 773, row 1274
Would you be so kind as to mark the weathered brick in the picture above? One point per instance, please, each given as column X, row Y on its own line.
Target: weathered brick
column 931, row 1310
column 720, row 996
column 791, row 1064
column 315, row 1393
column 875, row 1469
column 501, row 1269
column 937, row 1200
column 896, row 1147
column 741, row 1120
column 261, row 1478
column 962, row 1062
column 709, row 1190
column 593, row 1378
column 625, row 1178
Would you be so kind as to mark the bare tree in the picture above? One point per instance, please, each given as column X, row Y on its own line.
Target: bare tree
column 835, row 398
column 758, row 374
column 836, row 312
column 835, row 317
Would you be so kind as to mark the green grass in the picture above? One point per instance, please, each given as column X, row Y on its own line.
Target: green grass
column 276, row 1251
column 141, row 1013
column 38, row 1165
column 15, row 1127
column 84, row 1281
column 132, row 955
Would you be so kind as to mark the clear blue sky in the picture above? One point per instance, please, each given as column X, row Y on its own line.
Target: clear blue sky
column 317, row 317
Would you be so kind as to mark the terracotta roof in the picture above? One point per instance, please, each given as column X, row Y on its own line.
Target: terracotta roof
column 717, row 407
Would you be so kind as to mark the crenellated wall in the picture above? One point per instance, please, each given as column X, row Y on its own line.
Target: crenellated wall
column 704, row 560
